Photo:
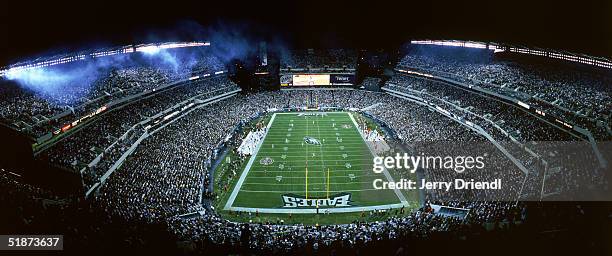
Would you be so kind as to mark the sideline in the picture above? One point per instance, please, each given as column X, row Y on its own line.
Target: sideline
column 230, row 200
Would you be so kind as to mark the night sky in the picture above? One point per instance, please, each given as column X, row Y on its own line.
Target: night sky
column 31, row 29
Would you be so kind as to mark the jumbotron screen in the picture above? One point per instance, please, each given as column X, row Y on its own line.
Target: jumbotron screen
column 316, row 79
column 310, row 79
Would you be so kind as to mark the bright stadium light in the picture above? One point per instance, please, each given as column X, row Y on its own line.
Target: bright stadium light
column 149, row 49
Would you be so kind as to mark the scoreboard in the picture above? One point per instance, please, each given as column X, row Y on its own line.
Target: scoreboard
column 316, row 79
column 310, row 80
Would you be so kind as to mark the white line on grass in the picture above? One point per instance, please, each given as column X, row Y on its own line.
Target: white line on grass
column 311, row 183
column 278, row 151
column 300, row 177
column 324, row 160
column 321, row 210
column 385, row 172
column 284, row 171
column 232, row 197
column 329, row 165
column 315, row 191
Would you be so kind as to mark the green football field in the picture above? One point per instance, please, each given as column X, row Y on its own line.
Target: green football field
column 307, row 161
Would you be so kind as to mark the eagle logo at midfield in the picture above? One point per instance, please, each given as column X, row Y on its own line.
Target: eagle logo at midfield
column 312, row 141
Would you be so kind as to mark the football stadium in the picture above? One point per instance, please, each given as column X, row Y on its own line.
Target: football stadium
column 257, row 130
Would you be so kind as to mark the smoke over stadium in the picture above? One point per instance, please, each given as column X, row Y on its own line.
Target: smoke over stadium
column 307, row 129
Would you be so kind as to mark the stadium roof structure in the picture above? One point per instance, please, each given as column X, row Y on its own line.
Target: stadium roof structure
column 499, row 47
column 95, row 53
column 151, row 47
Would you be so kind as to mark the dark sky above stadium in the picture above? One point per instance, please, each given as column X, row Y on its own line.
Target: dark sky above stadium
column 31, row 29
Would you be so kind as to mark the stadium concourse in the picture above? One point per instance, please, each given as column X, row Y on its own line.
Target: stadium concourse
column 151, row 162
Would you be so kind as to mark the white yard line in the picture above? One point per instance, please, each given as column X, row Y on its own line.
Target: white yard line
column 321, row 149
column 311, row 183
column 306, row 160
column 331, row 176
column 244, row 174
column 283, row 171
column 321, row 210
column 324, row 160
column 298, row 191
column 385, row 172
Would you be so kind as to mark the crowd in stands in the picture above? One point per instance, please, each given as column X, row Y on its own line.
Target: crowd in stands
column 504, row 122
column 23, row 105
column 90, row 88
column 319, row 59
column 268, row 237
column 515, row 121
column 123, row 126
column 36, row 210
column 413, row 125
column 168, row 174
column 370, row 82
column 585, row 92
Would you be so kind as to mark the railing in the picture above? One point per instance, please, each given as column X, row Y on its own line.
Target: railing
column 151, row 127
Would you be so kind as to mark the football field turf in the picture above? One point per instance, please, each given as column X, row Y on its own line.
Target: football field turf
column 309, row 160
